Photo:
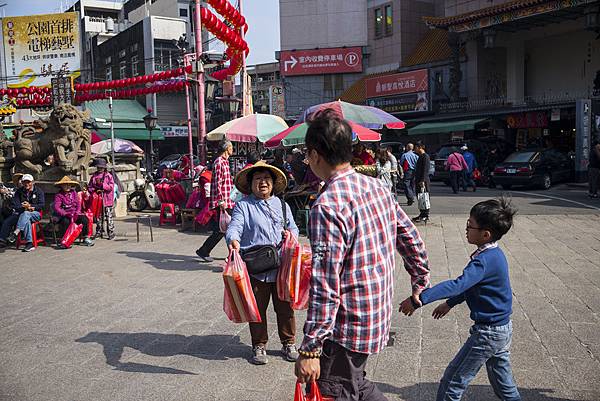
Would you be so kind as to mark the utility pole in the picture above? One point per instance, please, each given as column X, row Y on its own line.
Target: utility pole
column 244, row 78
column 200, row 84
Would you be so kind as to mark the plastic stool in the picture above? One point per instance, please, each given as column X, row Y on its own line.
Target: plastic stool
column 36, row 238
column 165, row 210
column 137, row 225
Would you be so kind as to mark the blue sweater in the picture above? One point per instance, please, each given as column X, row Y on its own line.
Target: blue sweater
column 485, row 286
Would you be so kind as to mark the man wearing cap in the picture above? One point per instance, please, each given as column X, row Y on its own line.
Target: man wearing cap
column 67, row 207
column 220, row 191
column 259, row 220
column 468, row 180
column 27, row 205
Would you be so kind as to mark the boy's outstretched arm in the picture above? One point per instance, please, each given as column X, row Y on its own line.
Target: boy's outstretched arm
column 441, row 310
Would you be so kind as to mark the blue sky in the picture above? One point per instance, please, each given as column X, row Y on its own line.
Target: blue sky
column 262, row 17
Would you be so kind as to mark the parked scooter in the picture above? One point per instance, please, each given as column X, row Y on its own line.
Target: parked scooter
column 144, row 196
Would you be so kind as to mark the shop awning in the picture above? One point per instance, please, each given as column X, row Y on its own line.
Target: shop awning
column 443, row 127
column 128, row 119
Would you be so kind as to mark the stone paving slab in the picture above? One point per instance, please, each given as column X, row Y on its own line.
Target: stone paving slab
column 143, row 321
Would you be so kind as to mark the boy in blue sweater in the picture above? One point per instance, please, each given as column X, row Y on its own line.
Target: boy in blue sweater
column 485, row 285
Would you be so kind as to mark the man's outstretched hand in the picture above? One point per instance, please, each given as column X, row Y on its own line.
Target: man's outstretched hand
column 407, row 306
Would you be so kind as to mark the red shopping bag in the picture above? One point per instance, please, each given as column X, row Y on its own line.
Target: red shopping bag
column 71, row 234
column 290, row 256
column 176, row 193
column 224, row 220
column 239, row 303
column 90, row 217
column 313, row 395
column 205, row 215
column 302, row 280
column 476, row 174
column 95, row 205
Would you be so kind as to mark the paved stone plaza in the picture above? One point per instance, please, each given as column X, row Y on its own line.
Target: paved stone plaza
column 143, row 321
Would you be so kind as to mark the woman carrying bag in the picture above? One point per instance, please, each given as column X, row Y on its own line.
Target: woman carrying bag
column 259, row 223
column 422, row 183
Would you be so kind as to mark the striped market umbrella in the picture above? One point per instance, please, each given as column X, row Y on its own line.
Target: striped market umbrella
column 250, row 128
column 367, row 116
column 296, row 134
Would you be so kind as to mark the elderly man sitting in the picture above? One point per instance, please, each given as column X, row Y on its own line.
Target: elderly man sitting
column 26, row 205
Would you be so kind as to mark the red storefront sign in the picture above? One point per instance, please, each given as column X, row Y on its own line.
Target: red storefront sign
column 322, row 61
column 397, row 84
column 533, row 119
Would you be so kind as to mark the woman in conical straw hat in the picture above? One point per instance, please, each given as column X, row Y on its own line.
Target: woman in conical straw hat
column 67, row 207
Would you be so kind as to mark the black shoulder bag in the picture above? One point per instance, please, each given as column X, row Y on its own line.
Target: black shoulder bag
column 262, row 258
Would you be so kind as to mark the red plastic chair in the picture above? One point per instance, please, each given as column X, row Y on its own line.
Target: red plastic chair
column 36, row 238
column 167, row 214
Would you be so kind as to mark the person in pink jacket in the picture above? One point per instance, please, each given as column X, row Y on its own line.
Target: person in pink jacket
column 455, row 164
column 102, row 183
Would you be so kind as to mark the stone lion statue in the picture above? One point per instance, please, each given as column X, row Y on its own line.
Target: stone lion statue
column 63, row 137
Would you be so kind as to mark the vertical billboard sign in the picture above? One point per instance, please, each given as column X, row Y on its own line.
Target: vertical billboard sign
column 36, row 47
column 583, row 111
column 276, row 101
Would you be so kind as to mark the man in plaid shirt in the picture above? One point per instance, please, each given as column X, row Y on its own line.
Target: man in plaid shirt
column 355, row 223
column 220, row 189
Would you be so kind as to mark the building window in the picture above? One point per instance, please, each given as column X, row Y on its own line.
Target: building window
column 134, row 66
column 108, row 73
column 108, row 60
column 439, row 83
column 122, row 53
column 389, row 21
column 122, row 70
column 134, row 47
column 183, row 12
column 378, row 23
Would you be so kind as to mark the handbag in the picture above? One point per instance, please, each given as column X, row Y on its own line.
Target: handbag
column 262, row 258
column 423, row 201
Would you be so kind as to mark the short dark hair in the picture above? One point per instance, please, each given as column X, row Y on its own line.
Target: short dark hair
column 330, row 136
column 420, row 144
column 252, row 157
column 495, row 215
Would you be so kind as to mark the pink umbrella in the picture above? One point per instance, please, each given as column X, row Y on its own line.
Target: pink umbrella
column 296, row 134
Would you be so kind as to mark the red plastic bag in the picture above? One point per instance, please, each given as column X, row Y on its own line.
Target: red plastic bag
column 476, row 174
column 239, row 303
column 314, row 395
column 302, row 280
column 95, row 205
column 177, row 193
column 205, row 215
column 286, row 275
column 224, row 220
column 90, row 217
column 71, row 234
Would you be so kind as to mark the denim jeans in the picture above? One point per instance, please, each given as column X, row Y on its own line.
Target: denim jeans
column 487, row 345
column 409, row 185
column 23, row 222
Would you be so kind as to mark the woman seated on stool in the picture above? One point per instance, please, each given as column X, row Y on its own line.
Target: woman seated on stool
column 67, row 207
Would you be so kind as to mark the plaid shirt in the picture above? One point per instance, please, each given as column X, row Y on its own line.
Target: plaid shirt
column 354, row 225
column 221, row 184
column 484, row 247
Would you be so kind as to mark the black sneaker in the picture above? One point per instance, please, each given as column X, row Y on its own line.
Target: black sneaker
column 12, row 238
column 29, row 247
column 203, row 257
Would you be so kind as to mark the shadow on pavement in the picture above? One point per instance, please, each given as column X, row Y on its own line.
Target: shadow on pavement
column 167, row 261
column 476, row 392
column 209, row 347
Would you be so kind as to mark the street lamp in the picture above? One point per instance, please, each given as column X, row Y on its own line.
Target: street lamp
column 150, row 123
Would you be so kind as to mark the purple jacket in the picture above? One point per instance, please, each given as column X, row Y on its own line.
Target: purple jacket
column 66, row 204
column 103, row 182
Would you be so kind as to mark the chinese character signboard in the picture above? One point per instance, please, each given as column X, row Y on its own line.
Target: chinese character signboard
column 276, row 101
column 321, row 61
column 174, row 131
column 397, row 84
column 409, row 103
column 39, row 46
column 61, row 90
column 533, row 119
column 583, row 112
